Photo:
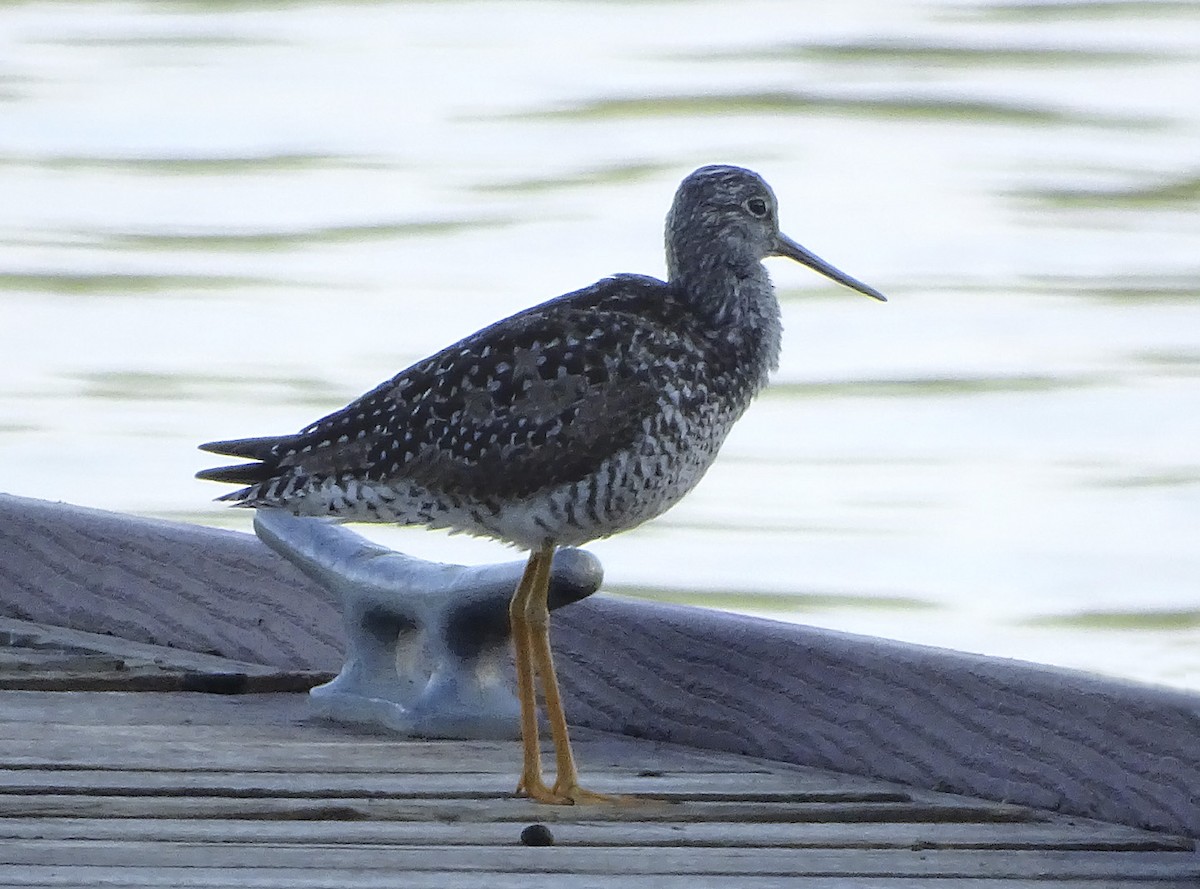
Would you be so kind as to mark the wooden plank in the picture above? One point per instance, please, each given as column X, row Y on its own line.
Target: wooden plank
column 498, row 808
column 151, row 679
column 150, row 750
column 513, row 858
column 327, row 748
column 274, row 732
column 27, row 634
column 24, row 708
column 398, row 783
column 43, row 658
column 31, row 661
column 622, row 834
column 323, row 878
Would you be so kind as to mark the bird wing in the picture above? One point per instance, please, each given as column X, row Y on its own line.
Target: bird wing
column 532, row 402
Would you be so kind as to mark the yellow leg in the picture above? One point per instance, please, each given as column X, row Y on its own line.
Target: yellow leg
column 537, row 616
column 531, row 783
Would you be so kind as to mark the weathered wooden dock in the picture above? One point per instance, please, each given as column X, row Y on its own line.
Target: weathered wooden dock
column 778, row 756
column 200, row 790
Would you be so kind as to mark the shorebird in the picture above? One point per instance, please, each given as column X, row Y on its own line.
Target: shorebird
column 567, row 422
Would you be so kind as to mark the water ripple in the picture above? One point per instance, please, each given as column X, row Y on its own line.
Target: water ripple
column 197, row 165
column 925, row 386
column 1179, row 192
column 948, row 54
column 82, row 283
column 783, row 102
column 275, row 240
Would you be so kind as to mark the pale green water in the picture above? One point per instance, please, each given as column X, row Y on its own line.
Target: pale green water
column 225, row 219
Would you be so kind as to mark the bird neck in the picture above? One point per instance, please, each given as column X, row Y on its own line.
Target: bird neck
column 737, row 302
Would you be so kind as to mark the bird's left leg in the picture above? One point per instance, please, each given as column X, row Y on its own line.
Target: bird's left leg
column 531, row 783
column 566, row 784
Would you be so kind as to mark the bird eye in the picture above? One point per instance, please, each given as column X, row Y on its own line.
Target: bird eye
column 756, row 207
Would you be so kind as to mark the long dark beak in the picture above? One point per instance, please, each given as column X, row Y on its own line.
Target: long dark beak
column 785, row 246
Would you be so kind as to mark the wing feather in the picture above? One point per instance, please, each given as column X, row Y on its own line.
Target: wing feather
column 530, row 403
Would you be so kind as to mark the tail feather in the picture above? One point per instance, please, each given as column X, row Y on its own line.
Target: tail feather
column 250, row 448
column 241, row 474
column 263, row 451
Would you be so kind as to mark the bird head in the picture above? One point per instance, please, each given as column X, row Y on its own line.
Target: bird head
column 728, row 215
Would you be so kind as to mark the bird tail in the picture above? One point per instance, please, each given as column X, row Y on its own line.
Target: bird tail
column 263, row 451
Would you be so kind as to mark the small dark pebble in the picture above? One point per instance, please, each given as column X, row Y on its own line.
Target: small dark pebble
column 537, row 835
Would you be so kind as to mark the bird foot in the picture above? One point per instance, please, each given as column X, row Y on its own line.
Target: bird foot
column 536, row 790
column 580, row 796
column 571, row 794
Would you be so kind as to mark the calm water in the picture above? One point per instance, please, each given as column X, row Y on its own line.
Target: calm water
column 225, row 219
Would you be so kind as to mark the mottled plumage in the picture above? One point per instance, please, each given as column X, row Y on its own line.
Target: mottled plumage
column 572, row 420
column 569, row 421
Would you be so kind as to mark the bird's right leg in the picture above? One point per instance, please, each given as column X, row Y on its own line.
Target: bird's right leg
column 566, row 784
